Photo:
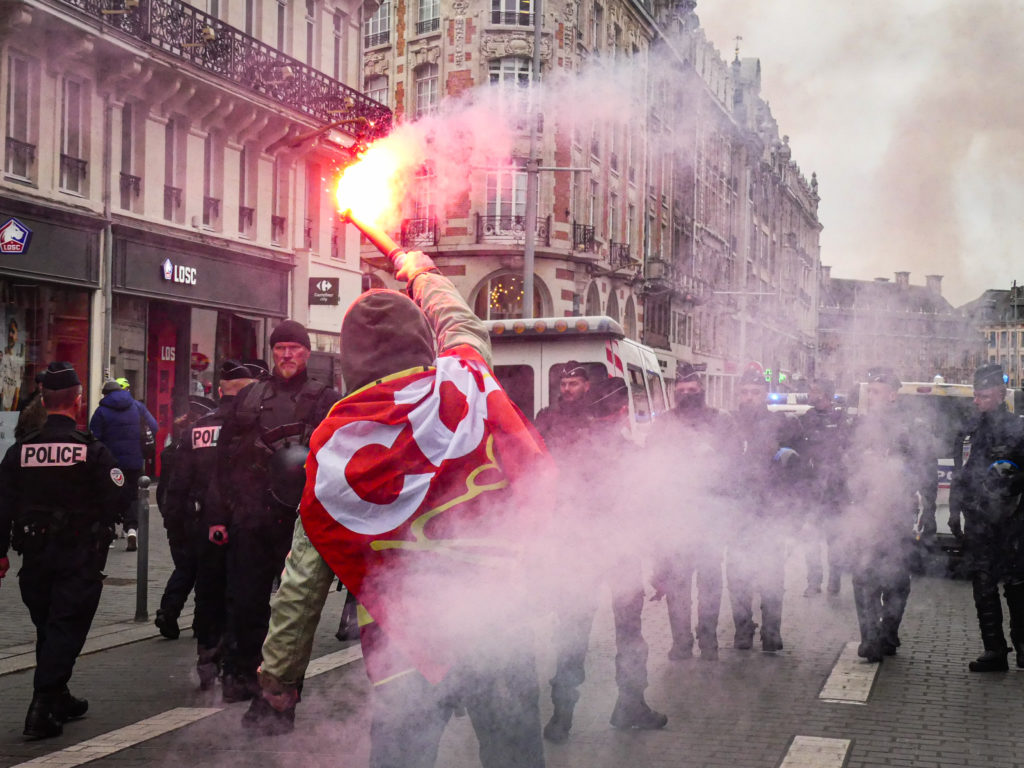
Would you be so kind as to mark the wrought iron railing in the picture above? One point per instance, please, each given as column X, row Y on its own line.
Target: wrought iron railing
column 131, row 187
column 377, row 38
column 420, row 232
column 246, row 217
column 583, row 238
column 204, row 41
column 510, row 229
column 20, row 157
column 618, row 256
column 72, row 173
column 428, row 25
column 518, row 18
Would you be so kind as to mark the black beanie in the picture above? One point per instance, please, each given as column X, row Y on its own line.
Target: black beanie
column 383, row 332
column 59, row 375
column 290, row 332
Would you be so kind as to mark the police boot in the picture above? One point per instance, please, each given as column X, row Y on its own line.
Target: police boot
column 262, row 719
column 743, row 639
column 208, row 667
column 990, row 620
column 631, row 711
column 557, row 729
column 707, row 639
column 67, row 707
column 990, row 661
column 40, row 722
column 1015, row 602
column 238, row 688
column 167, row 623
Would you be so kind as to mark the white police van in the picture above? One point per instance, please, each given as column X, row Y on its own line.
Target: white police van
column 529, row 354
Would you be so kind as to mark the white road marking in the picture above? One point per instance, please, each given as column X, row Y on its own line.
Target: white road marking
column 851, row 678
column 114, row 741
column 815, row 752
column 334, row 660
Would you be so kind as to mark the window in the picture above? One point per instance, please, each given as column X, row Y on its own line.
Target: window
column 311, row 226
column 278, row 191
column 518, row 12
column 282, row 19
column 212, row 162
column 613, row 217
column 426, row 90
column 501, row 298
column 310, row 32
column 131, row 185
column 594, row 197
column 506, row 195
column 377, row 29
column 249, row 15
column 377, row 88
column 19, row 149
column 172, row 193
column 597, row 24
column 429, row 16
column 246, row 211
column 512, row 74
column 72, row 163
column 340, row 49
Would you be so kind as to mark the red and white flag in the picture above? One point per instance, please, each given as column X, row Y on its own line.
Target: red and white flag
column 408, row 499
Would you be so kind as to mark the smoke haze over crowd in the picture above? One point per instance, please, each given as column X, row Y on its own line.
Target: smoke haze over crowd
column 910, row 114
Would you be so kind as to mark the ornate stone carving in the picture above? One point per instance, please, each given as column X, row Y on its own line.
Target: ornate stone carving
column 425, row 54
column 494, row 45
column 375, row 64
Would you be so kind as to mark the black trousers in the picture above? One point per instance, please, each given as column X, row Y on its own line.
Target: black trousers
column 255, row 557
column 185, row 543
column 61, row 587
column 130, row 510
column 211, row 593
column 881, row 587
column 701, row 562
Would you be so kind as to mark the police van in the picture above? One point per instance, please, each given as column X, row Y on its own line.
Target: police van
column 529, row 354
column 941, row 412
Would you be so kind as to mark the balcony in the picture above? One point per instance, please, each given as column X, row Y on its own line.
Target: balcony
column 619, row 257
column 211, row 210
column 172, row 201
column 583, row 238
column 131, row 188
column 428, row 25
column 277, row 227
column 195, row 37
column 377, row 38
column 510, row 229
column 246, row 217
column 420, row 232
column 72, row 174
column 21, row 156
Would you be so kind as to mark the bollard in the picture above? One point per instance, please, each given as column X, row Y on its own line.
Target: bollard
column 142, row 564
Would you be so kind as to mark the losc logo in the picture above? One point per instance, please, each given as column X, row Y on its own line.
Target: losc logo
column 176, row 273
column 14, row 237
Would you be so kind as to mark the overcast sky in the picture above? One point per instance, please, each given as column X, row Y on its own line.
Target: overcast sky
column 912, row 114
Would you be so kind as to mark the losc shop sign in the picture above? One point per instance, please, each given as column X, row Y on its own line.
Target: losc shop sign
column 178, row 273
column 14, row 237
column 324, row 290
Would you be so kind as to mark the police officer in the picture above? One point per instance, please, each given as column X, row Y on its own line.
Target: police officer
column 986, row 490
column 583, row 433
column 60, row 493
column 891, row 474
column 254, row 496
column 687, row 446
column 197, row 561
column 762, row 453
column 824, row 440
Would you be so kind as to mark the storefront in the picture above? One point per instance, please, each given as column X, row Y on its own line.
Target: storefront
column 180, row 308
column 49, row 273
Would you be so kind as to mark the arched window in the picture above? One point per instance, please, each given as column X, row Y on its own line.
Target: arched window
column 629, row 319
column 500, row 297
column 593, row 305
column 612, row 309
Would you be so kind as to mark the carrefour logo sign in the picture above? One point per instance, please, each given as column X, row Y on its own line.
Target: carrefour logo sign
column 178, row 273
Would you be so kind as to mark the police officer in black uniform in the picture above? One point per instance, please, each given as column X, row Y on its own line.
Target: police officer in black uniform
column 254, row 496
column 60, row 493
column 762, row 450
column 986, row 490
column 195, row 462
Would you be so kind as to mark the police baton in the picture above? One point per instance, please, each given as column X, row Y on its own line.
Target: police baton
column 142, row 562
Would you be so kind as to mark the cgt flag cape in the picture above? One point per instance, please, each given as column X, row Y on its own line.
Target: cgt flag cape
column 407, row 498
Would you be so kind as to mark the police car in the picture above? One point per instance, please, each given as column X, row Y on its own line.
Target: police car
column 529, row 354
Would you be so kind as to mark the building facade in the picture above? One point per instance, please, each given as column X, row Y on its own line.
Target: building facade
column 998, row 316
column 166, row 166
column 910, row 328
column 683, row 217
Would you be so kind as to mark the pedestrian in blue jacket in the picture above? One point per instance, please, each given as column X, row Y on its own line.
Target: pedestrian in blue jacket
column 117, row 423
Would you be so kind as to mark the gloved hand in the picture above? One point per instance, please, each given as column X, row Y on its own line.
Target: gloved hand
column 410, row 264
column 955, row 527
column 219, row 535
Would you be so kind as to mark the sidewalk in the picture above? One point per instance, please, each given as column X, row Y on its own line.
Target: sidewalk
column 114, row 623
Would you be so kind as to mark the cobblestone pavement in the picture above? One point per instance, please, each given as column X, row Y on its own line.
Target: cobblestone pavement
column 748, row 709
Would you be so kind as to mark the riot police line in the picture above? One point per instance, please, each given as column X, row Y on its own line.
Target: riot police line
column 236, row 480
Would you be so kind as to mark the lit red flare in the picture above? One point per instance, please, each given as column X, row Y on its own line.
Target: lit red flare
column 372, row 187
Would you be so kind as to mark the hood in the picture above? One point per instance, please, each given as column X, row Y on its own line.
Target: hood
column 121, row 400
column 383, row 332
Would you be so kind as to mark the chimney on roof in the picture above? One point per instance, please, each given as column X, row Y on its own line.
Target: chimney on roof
column 934, row 284
column 903, row 280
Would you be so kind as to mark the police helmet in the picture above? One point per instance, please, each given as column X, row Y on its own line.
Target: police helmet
column 287, row 469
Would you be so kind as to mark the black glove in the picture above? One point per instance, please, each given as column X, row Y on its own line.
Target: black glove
column 955, row 527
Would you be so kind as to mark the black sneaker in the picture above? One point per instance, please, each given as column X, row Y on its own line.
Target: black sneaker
column 990, row 661
column 40, row 722
column 66, row 707
column 168, row 625
column 636, row 715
